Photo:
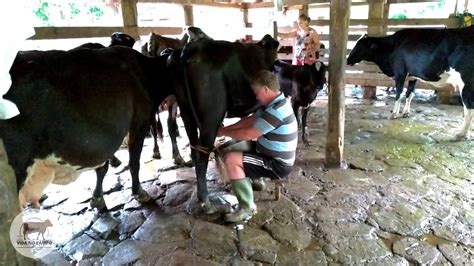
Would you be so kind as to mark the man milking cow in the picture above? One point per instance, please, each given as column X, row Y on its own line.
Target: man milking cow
column 272, row 155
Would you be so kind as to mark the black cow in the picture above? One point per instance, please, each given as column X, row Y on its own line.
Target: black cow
column 302, row 83
column 158, row 46
column 212, row 79
column 426, row 54
column 76, row 107
column 119, row 38
column 165, row 46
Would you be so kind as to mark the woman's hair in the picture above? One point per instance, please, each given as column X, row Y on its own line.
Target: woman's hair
column 266, row 78
column 305, row 18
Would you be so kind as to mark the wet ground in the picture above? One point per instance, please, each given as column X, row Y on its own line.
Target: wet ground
column 406, row 199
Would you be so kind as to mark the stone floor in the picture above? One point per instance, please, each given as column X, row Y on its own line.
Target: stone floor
column 406, row 199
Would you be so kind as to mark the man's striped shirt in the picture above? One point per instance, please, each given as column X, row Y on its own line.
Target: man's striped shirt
column 278, row 124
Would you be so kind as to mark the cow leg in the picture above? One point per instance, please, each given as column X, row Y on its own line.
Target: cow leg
column 155, row 128
column 39, row 177
column 296, row 112
column 399, row 85
column 135, row 147
column 97, row 200
column 409, row 97
column 304, row 116
column 468, row 114
column 174, row 132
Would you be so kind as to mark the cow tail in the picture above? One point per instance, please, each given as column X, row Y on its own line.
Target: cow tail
column 187, row 87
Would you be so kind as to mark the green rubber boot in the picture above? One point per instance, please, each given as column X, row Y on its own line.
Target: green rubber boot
column 242, row 189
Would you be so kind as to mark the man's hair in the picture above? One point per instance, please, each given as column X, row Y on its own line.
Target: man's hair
column 305, row 18
column 265, row 78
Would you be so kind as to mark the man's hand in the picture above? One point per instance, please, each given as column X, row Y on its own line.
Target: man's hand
column 221, row 132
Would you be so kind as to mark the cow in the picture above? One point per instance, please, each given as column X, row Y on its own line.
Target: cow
column 428, row 54
column 35, row 227
column 212, row 79
column 302, row 83
column 165, row 46
column 157, row 46
column 157, row 43
column 119, row 38
column 76, row 107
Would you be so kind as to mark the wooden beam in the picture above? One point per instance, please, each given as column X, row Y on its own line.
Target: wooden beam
column 451, row 22
column 130, row 15
column 45, row 33
column 413, row 1
column 303, row 10
column 188, row 15
column 214, row 3
column 339, row 14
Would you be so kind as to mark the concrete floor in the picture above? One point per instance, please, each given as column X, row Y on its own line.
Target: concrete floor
column 407, row 198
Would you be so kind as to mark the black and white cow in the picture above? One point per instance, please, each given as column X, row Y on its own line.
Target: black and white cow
column 212, row 80
column 433, row 55
column 76, row 107
column 302, row 83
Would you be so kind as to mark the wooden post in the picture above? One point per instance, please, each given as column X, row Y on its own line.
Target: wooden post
column 129, row 15
column 376, row 11
column 188, row 15
column 338, row 28
column 304, row 10
column 247, row 24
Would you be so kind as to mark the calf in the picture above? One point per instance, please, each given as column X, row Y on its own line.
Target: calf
column 212, row 78
column 75, row 109
column 427, row 54
column 302, row 83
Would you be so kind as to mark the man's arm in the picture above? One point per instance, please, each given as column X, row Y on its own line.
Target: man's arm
column 242, row 133
column 244, row 122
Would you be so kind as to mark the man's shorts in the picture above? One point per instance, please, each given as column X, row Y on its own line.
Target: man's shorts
column 257, row 165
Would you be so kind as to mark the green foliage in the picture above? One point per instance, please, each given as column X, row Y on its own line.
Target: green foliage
column 51, row 12
column 399, row 16
column 74, row 9
column 42, row 11
column 94, row 10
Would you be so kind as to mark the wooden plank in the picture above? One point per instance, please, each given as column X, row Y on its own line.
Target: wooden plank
column 339, row 14
column 452, row 22
column 387, row 82
column 214, row 3
column 188, row 15
column 46, row 33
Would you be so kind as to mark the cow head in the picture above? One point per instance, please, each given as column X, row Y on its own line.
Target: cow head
column 119, row 38
column 270, row 46
column 321, row 69
column 363, row 50
column 195, row 34
column 268, row 42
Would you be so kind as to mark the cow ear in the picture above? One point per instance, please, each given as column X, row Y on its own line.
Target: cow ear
column 317, row 65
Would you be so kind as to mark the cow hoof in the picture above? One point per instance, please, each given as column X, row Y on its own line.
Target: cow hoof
column 142, row 196
column 209, row 208
column 459, row 137
column 98, row 203
column 156, row 155
column 115, row 162
column 179, row 161
column 406, row 115
column 306, row 143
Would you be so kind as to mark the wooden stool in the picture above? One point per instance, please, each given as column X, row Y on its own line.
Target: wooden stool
column 278, row 186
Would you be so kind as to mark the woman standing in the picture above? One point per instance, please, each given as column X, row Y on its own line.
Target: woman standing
column 306, row 47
